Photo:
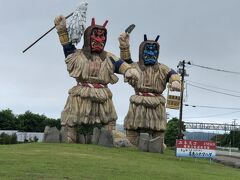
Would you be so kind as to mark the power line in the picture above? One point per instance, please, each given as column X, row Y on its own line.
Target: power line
column 215, row 69
column 213, row 86
column 212, row 107
column 214, row 115
column 213, row 90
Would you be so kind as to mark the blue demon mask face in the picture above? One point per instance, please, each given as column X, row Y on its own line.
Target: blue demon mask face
column 150, row 50
column 150, row 53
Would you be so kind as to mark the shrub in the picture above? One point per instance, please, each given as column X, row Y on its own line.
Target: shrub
column 35, row 139
column 14, row 139
column 8, row 139
column 87, row 129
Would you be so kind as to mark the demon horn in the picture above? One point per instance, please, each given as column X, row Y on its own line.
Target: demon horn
column 156, row 40
column 93, row 22
column 104, row 25
column 145, row 37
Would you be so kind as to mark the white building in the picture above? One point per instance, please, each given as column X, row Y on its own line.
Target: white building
column 22, row 136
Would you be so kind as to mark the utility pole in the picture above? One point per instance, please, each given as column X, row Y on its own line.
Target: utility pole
column 234, row 126
column 181, row 70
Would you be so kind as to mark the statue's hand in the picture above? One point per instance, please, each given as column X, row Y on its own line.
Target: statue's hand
column 124, row 40
column 175, row 86
column 60, row 23
column 132, row 76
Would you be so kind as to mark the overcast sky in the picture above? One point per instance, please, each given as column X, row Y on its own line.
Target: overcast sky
column 205, row 32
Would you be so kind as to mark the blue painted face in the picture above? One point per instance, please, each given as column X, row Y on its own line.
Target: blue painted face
column 150, row 53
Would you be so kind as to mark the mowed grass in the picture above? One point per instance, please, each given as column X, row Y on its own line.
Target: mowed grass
column 75, row 161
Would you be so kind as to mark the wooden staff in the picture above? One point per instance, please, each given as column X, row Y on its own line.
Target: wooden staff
column 44, row 35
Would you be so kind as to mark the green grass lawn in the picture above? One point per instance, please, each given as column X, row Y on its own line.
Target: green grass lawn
column 75, row 161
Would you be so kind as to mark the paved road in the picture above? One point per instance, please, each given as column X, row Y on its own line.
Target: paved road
column 228, row 158
column 227, row 153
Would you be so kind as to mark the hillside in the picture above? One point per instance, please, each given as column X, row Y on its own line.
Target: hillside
column 200, row 136
column 120, row 127
column 64, row 161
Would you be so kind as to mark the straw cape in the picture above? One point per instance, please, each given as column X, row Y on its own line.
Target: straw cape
column 148, row 111
column 85, row 104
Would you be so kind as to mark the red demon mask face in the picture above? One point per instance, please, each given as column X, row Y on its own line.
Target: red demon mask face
column 98, row 37
column 98, row 40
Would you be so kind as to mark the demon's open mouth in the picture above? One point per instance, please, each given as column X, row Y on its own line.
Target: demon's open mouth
column 150, row 57
column 97, row 46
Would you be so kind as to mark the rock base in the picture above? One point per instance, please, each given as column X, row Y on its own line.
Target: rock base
column 103, row 137
column 147, row 144
column 51, row 135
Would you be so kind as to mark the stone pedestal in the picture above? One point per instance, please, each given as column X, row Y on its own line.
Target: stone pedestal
column 143, row 142
column 81, row 139
column 156, row 145
column 96, row 135
column 63, row 135
column 106, row 138
column 51, row 135
column 88, row 139
column 150, row 145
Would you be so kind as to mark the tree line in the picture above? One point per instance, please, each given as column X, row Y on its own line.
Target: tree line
column 228, row 140
column 26, row 122
column 31, row 122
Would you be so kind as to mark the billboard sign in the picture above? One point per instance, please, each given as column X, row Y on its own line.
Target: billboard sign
column 196, row 149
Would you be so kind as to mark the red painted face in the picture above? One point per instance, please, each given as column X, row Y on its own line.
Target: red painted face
column 98, row 40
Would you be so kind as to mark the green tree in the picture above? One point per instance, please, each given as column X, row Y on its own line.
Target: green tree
column 172, row 132
column 7, row 120
column 52, row 122
column 221, row 139
column 27, row 122
column 235, row 138
column 232, row 139
column 30, row 122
